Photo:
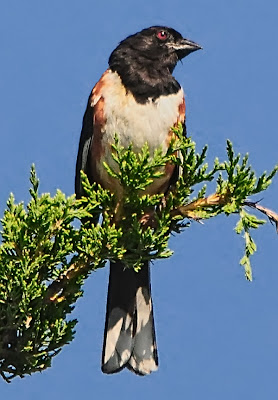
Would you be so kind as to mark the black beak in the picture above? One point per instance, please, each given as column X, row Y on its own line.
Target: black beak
column 184, row 47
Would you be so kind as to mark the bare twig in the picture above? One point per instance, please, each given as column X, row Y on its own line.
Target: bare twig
column 272, row 216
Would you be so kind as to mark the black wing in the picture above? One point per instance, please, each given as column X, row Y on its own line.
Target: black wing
column 84, row 147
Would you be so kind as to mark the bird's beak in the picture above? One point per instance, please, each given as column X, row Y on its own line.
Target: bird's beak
column 184, row 47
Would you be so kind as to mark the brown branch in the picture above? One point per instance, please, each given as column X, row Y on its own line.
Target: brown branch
column 214, row 199
column 56, row 291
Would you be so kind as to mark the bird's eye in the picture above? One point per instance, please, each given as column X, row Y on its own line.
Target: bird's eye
column 162, row 35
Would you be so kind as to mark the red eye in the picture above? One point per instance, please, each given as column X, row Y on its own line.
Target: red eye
column 162, row 35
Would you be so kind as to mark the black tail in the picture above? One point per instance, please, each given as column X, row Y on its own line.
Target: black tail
column 129, row 336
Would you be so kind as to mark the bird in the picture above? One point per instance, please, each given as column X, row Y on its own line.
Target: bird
column 138, row 98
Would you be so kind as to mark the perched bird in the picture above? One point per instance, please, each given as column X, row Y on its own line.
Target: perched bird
column 138, row 98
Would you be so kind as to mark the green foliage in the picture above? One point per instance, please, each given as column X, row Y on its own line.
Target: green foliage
column 35, row 244
column 51, row 245
column 247, row 222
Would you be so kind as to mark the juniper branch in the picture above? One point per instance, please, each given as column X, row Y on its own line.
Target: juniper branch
column 50, row 246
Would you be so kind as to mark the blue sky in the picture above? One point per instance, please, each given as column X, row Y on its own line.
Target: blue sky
column 217, row 334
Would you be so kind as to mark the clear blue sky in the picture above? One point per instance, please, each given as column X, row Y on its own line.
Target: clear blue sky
column 217, row 334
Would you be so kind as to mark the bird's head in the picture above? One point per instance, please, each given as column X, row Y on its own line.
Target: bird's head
column 157, row 45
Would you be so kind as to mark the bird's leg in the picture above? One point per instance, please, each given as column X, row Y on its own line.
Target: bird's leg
column 149, row 219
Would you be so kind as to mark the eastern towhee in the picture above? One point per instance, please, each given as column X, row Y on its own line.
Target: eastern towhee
column 138, row 98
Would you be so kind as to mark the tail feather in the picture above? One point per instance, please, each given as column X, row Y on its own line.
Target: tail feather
column 129, row 337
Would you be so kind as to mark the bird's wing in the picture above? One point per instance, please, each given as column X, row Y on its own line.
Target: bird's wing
column 84, row 147
column 181, row 116
column 93, row 122
column 180, row 120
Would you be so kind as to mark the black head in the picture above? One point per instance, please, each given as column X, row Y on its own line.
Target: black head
column 145, row 61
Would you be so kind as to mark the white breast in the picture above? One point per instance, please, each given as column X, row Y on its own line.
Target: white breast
column 138, row 123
